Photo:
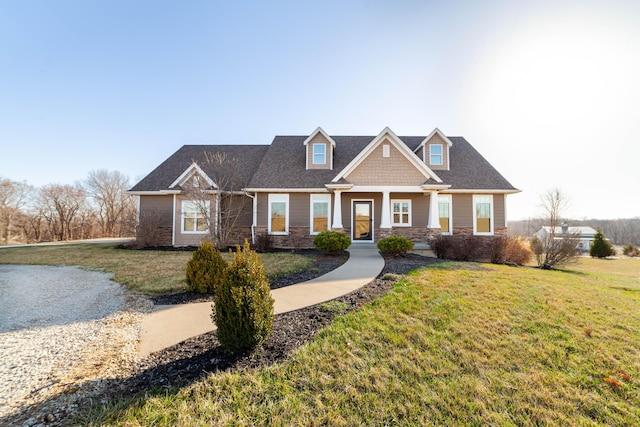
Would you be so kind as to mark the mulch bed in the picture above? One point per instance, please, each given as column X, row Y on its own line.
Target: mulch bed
column 196, row 357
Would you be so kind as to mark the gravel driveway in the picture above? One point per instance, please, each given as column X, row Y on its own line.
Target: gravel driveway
column 51, row 320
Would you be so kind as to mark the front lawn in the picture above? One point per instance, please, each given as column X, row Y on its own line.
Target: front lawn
column 452, row 344
column 149, row 272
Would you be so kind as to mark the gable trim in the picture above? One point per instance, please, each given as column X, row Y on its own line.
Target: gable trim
column 189, row 172
column 319, row 130
column 401, row 146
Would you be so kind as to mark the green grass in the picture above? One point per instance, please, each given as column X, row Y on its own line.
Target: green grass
column 454, row 344
column 150, row 272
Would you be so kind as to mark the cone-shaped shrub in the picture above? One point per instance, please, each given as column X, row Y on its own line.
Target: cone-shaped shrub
column 243, row 307
column 205, row 269
column 601, row 247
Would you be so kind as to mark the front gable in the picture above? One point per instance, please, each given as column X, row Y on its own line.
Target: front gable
column 386, row 161
column 194, row 177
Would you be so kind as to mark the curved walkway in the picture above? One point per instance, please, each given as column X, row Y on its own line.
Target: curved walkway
column 168, row 325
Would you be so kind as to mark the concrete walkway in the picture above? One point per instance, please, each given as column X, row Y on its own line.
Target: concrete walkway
column 168, row 325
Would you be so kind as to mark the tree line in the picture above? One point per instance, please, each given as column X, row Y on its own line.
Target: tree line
column 619, row 231
column 98, row 206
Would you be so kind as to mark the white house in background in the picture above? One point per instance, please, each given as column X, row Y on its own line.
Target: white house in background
column 584, row 235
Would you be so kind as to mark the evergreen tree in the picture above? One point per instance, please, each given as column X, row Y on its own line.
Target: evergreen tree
column 601, row 247
column 243, row 306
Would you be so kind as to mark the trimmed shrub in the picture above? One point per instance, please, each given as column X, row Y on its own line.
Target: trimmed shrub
column 395, row 245
column 333, row 242
column 205, row 269
column 507, row 250
column 458, row 248
column 631, row 251
column 601, row 247
column 243, row 306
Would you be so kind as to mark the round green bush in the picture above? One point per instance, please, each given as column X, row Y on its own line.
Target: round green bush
column 243, row 306
column 395, row 245
column 205, row 269
column 332, row 242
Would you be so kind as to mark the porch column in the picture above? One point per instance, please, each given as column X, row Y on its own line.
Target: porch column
column 337, row 209
column 385, row 220
column 434, row 211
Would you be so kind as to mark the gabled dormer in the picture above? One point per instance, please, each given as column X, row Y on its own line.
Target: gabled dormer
column 434, row 150
column 386, row 160
column 319, row 148
column 194, row 178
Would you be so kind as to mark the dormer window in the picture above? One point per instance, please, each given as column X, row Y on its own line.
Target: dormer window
column 319, row 154
column 435, row 154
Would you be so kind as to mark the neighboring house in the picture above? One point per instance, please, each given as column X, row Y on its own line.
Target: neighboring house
column 368, row 187
column 584, row 235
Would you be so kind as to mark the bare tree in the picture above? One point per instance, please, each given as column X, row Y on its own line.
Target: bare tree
column 222, row 201
column 558, row 246
column 109, row 192
column 13, row 196
column 61, row 204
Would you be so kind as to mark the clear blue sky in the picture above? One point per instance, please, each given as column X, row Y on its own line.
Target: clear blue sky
column 547, row 91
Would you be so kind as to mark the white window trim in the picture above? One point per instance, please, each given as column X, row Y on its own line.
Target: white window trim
column 431, row 155
column 491, row 217
column 324, row 153
column 400, row 224
column 319, row 198
column 279, row 198
column 182, row 217
column 448, row 199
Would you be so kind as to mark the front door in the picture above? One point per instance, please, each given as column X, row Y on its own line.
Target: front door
column 362, row 221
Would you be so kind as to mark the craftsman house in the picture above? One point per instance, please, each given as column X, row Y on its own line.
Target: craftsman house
column 368, row 187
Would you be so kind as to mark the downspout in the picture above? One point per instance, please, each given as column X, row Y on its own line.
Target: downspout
column 255, row 216
column 173, row 220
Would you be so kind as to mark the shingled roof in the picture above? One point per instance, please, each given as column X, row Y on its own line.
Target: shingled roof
column 161, row 178
column 282, row 165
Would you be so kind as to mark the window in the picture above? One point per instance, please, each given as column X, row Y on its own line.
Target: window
column 444, row 213
column 278, row 213
column 483, row 214
column 319, row 154
column 401, row 212
column 435, row 154
column 194, row 219
column 320, row 208
column 386, row 150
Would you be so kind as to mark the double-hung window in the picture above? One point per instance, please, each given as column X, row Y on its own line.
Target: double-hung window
column 194, row 219
column 435, row 154
column 320, row 208
column 278, row 213
column 401, row 212
column 444, row 213
column 319, row 154
column 483, row 214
